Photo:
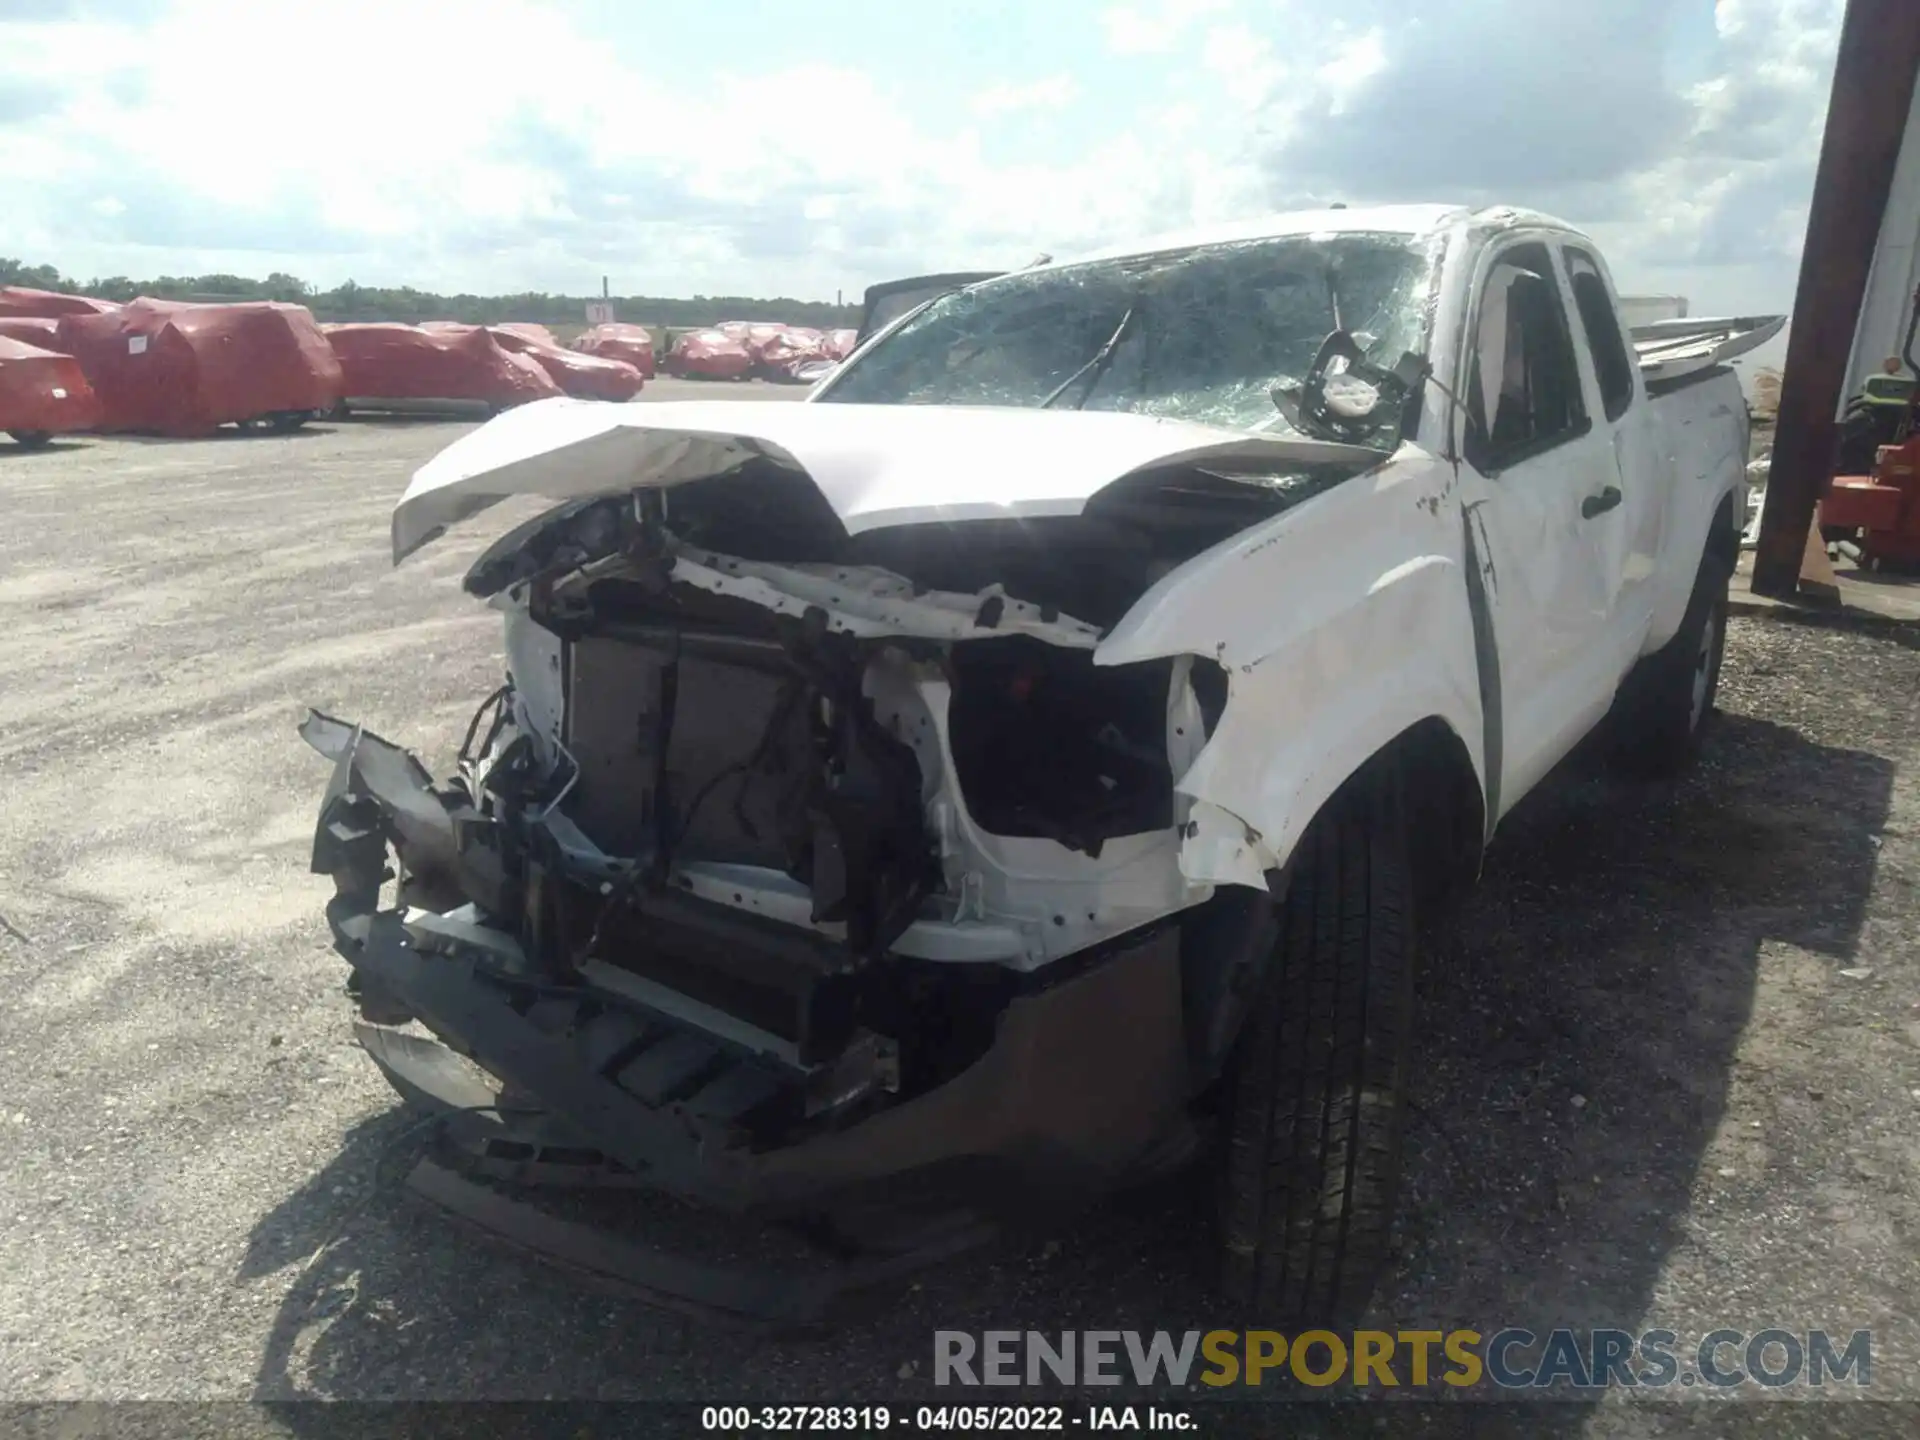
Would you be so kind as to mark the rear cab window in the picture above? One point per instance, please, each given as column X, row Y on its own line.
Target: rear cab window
column 1599, row 318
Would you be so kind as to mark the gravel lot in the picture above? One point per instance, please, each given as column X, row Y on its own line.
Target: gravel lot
column 1670, row 1068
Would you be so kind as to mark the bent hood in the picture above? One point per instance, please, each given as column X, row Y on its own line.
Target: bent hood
column 877, row 465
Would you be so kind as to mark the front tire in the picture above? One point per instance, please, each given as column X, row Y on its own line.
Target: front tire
column 1317, row 1105
column 32, row 439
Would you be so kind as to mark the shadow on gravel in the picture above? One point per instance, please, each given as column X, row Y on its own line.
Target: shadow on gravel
column 1582, row 1015
column 12, row 450
column 1579, row 1023
column 373, row 1157
column 1882, row 628
column 226, row 433
column 379, row 420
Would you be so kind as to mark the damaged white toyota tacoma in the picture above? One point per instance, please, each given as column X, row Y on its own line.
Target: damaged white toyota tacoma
column 1017, row 770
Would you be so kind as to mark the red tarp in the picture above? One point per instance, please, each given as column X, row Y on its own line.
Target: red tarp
column 791, row 344
column 840, row 343
column 42, row 393
column 589, row 377
column 40, row 330
column 18, row 300
column 530, row 330
column 630, row 343
column 183, row 369
column 710, row 354
column 782, row 354
column 735, row 329
column 447, row 362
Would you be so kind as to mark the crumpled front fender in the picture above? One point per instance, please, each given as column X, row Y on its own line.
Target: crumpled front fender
column 1340, row 625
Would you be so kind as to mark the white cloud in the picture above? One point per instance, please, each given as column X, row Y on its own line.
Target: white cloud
column 479, row 171
column 1730, row 198
column 1147, row 27
column 514, row 148
column 1243, row 63
column 1352, row 66
column 1056, row 92
column 1567, row 109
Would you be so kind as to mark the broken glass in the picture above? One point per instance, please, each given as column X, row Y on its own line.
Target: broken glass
column 1213, row 329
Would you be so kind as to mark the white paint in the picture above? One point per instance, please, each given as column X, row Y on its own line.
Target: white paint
column 1409, row 220
column 1670, row 349
column 877, row 465
column 1577, row 599
column 1340, row 622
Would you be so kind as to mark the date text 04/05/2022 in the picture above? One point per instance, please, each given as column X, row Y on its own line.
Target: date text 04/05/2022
column 744, row 1418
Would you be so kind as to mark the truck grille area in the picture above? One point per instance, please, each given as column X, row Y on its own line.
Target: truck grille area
column 696, row 746
column 696, row 742
column 792, row 983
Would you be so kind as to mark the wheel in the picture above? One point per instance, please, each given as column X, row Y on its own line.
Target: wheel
column 31, row 439
column 1316, row 1110
column 1664, row 707
column 285, row 422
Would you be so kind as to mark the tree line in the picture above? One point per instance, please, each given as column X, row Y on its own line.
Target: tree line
column 349, row 301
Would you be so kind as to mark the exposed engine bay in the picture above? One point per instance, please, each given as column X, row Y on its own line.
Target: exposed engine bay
column 926, row 769
column 764, row 854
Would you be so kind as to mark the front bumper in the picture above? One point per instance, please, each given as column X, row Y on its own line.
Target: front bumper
column 1081, row 1088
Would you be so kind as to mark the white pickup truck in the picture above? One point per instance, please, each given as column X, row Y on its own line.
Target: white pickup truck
column 1018, row 770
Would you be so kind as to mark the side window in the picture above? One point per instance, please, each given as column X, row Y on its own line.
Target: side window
column 1524, row 384
column 1602, row 323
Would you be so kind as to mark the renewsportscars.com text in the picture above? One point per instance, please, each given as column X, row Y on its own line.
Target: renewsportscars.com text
column 1509, row 1359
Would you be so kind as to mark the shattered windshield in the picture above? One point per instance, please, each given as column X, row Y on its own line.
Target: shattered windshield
column 1201, row 334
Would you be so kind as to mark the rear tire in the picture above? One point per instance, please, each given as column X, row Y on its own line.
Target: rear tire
column 1666, row 705
column 1317, row 1104
column 32, row 439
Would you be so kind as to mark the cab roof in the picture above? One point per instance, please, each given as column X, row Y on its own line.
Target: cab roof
column 1410, row 220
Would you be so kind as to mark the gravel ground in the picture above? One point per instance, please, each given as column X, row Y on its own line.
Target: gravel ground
column 1670, row 1063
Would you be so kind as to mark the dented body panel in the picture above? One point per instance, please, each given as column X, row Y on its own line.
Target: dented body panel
column 875, row 465
column 1375, row 636
column 864, row 767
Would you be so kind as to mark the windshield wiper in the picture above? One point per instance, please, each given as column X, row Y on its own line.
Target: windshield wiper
column 1095, row 367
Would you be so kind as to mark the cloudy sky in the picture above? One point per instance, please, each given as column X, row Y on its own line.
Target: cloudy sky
column 771, row 147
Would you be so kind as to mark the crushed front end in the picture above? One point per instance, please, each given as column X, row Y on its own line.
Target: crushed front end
column 793, row 887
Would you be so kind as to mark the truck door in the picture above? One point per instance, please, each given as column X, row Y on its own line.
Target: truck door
column 1541, row 513
column 1630, row 535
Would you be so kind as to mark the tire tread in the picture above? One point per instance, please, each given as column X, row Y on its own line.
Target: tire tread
column 1312, row 1166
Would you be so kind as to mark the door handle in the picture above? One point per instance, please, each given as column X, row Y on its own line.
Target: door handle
column 1599, row 504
